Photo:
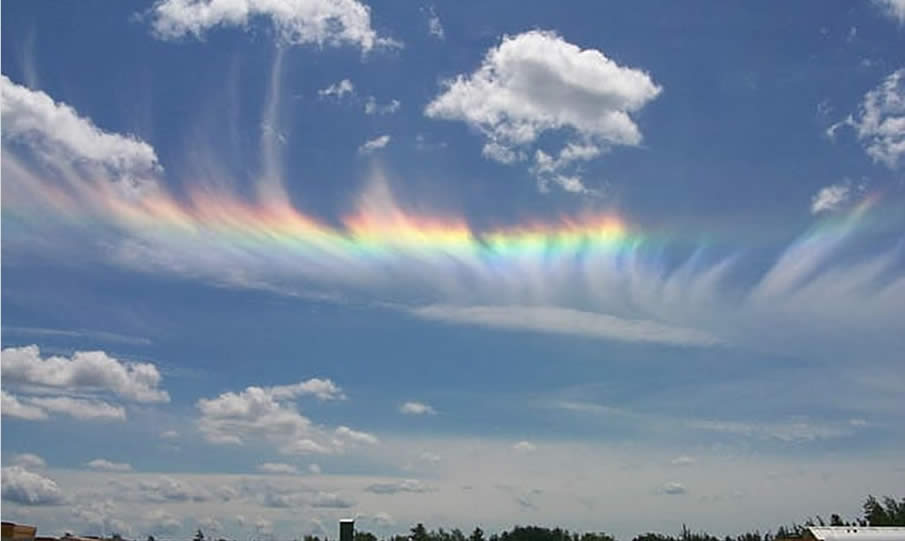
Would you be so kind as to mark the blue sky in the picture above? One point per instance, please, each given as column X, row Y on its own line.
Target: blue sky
column 269, row 264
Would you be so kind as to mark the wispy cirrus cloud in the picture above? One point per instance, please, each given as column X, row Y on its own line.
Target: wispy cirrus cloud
column 598, row 277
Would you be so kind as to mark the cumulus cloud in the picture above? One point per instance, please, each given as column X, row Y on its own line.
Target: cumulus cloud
column 329, row 500
column 549, row 170
column 320, row 22
column 894, row 9
column 160, row 521
column 346, row 434
column 395, row 487
column 566, row 321
column 683, row 460
column 426, row 456
column 384, row 519
column 80, row 408
column 232, row 417
column 85, row 370
column 211, row 524
column 372, row 145
column 170, row 489
column 674, row 489
column 276, row 467
column 373, row 108
column 434, row 26
column 100, row 516
column 524, row 447
column 536, row 82
column 103, row 464
column 29, row 461
column 22, row 486
column 830, row 198
column 314, row 468
column 11, row 406
column 416, row 408
column 269, row 413
column 323, row 389
column 338, row 90
column 880, row 121
column 57, row 132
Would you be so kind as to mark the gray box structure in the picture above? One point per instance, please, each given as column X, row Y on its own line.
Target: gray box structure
column 347, row 529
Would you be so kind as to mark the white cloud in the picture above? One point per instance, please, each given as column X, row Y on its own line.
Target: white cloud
column 329, row 500
column 384, row 519
column 426, row 456
column 395, row 487
column 28, row 488
column 338, row 90
column 323, row 389
column 29, row 461
column 895, row 9
column 674, row 489
column 269, row 413
column 57, row 131
column 160, row 521
column 85, row 370
column 314, row 468
column 416, row 408
column 790, row 431
column 103, row 464
column 100, row 516
column 211, row 524
column 166, row 488
column 525, row 447
column 374, row 144
column 169, row 434
column 830, row 198
column 549, row 170
column 321, row 22
column 880, row 121
column 345, row 433
column 232, row 417
column 276, row 467
column 263, row 526
column 373, row 108
column 501, row 153
column 11, row 406
column 683, row 460
column 433, row 24
column 80, row 408
column 566, row 321
column 537, row 82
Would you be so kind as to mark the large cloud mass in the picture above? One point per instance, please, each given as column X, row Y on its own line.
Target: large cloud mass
column 537, row 82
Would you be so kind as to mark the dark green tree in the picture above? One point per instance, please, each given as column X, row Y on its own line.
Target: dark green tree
column 199, row 535
column 365, row 536
column 419, row 533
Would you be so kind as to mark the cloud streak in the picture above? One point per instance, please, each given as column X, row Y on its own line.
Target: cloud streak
column 594, row 275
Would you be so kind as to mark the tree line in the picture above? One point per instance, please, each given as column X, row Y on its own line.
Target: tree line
column 886, row 511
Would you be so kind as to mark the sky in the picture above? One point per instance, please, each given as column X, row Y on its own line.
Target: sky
column 610, row 266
